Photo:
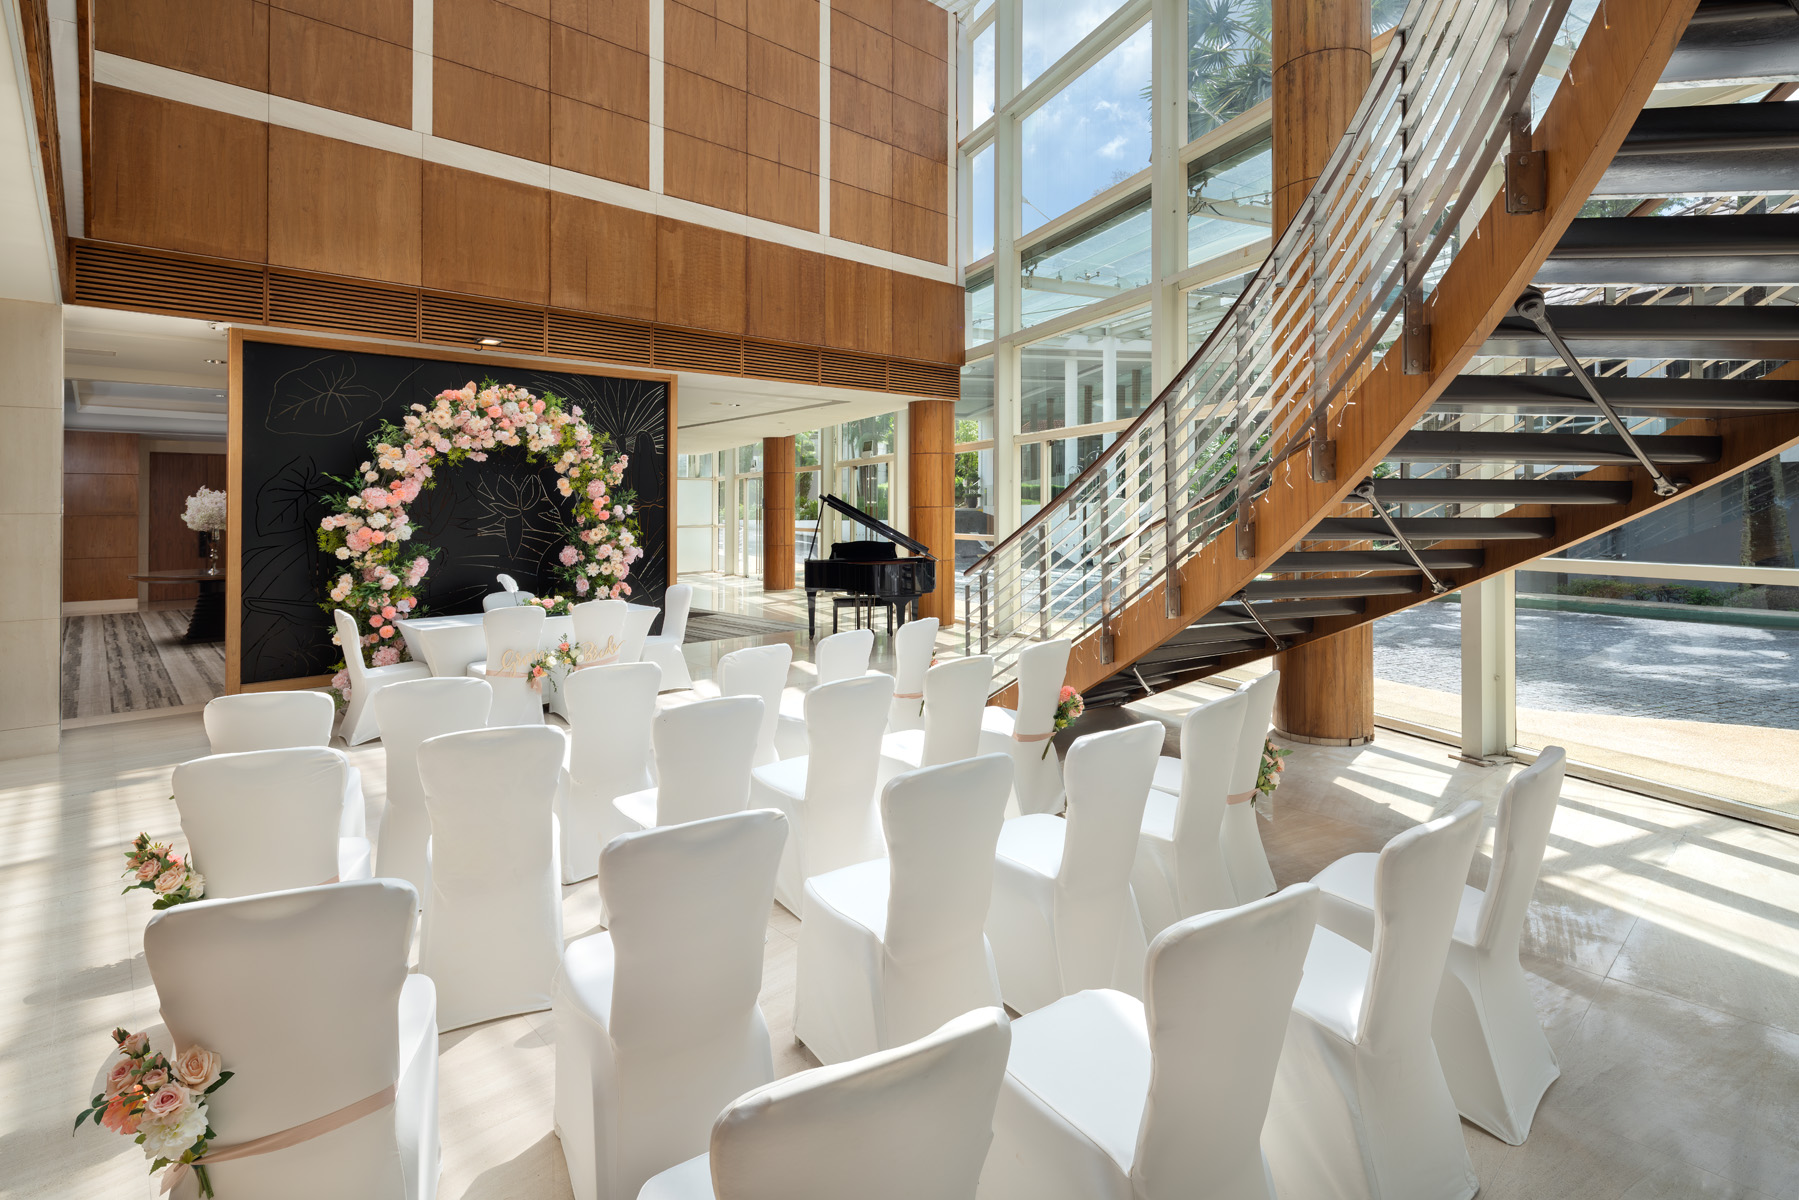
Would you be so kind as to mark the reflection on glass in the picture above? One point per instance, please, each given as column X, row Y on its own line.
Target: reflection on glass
column 806, row 488
column 975, row 496
column 1229, row 60
column 982, row 52
column 1418, row 664
column 1092, row 134
column 980, row 221
column 1046, row 468
column 1051, row 28
column 805, row 448
column 866, row 487
column 980, row 311
column 1089, row 263
column 1745, row 521
column 869, row 437
column 1230, row 201
column 1206, row 306
column 749, row 529
column 749, row 458
column 1096, row 373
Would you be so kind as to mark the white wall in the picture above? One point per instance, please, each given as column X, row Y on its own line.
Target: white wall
column 30, row 525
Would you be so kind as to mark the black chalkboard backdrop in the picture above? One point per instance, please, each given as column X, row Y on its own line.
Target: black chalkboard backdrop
column 308, row 413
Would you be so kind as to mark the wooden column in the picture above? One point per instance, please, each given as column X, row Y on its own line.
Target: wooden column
column 777, row 514
column 931, row 484
column 1322, row 62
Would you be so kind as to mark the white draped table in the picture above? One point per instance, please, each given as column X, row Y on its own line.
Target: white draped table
column 449, row 644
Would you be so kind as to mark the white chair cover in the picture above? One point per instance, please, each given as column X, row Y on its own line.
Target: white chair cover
column 492, row 931
column 913, row 645
column 304, row 995
column 955, row 692
column 893, row 947
column 1360, row 1109
column 513, row 636
column 657, row 1022
column 359, row 723
column 1022, row 732
column 267, row 820
column 1062, row 918
column 1107, row 1097
column 759, row 671
column 836, row 658
column 664, row 649
column 1495, row 1058
column 829, row 797
column 638, row 619
column 410, row 713
column 279, row 721
column 1180, row 869
column 704, row 752
column 610, row 710
column 599, row 626
column 910, row 1123
column 1244, row 856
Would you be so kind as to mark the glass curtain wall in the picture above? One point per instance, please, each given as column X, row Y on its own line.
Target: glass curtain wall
column 699, row 541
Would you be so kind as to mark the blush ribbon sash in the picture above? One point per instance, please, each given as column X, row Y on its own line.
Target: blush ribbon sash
column 269, row 1143
column 1033, row 737
column 908, row 695
column 1241, row 797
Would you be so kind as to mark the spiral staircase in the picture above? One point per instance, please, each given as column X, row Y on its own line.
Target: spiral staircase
column 1443, row 371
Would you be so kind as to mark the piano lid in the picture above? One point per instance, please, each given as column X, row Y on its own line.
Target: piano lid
column 881, row 527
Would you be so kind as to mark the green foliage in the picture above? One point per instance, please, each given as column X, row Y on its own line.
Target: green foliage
column 1663, row 593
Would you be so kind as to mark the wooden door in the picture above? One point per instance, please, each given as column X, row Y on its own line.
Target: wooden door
column 173, row 546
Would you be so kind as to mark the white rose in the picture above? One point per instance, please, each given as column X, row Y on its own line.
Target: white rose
column 343, row 552
column 172, row 1139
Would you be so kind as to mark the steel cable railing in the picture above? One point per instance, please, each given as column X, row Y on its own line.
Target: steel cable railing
column 1370, row 239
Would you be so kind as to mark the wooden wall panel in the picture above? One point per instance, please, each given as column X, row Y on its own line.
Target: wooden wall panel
column 923, row 25
column 860, row 106
column 789, row 23
column 919, row 232
column 861, row 162
column 490, row 111
column 602, row 258
column 858, row 306
column 332, row 67
column 695, row 41
column 783, row 194
column 705, row 172
column 783, row 135
column 172, row 545
column 626, row 22
column 861, row 50
column 484, row 235
column 783, row 75
column 594, row 141
column 877, row 14
column 859, row 216
column 930, row 476
column 778, row 455
column 599, row 72
column 343, row 209
column 177, row 176
column 220, row 39
column 920, row 130
column 389, row 20
column 493, row 36
column 99, row 540
column 700, row 276
column 704, row 108
column 786, row 290
column 927, row 319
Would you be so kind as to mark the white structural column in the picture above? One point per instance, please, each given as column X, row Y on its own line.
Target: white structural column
column 423, row 56
column 1167, row 189
column 1489, row 667
column 824, row 117
column 1008, row 165
column 656, row 96
column 30, row 523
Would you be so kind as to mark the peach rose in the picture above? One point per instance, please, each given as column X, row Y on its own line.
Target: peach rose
column 153, row 1079
column 169, row 880
column 118, row 1077
column 136, row 1043
column 197, row 1067
column 119, row 1119
column 166, row 1103
column 148, row 869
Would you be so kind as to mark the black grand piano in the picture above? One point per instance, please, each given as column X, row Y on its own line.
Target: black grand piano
column 872, row 570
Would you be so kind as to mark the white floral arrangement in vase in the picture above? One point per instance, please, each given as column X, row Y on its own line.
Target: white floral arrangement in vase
column 205, row 511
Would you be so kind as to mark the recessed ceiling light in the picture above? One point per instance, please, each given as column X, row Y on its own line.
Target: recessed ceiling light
column 489, row 340
column 217, row 362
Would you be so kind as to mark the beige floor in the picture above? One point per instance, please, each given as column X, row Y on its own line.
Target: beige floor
column 1663, row 946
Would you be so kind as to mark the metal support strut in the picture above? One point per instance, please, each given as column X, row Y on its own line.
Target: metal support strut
column 1242, row 598
column 1534, row 309
column 1365, row 492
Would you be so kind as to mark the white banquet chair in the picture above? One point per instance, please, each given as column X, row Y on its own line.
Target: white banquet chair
column 492, row 930
column 599, row 634
column 657, row 1021
column 610, row 709
column 1022, row 732
column 411, row 713
column 513, row 637
column 905, row 1124
column 913, row 645
column 1360, row 1110
column 500, row 599
column 1180, row 869
column 835, row 658
column 359, row 723
column 267, row 820
column 281, row 721
column 1062, row 918
column 758, row 671
column 638, row 619
column 1107, row 1098
column 1238, row 835
column 304, row 996
column 955, row 692
column 704, row 753
column 1495, row 1058
column 893, row 947
column 829, row 796
column 664, row 649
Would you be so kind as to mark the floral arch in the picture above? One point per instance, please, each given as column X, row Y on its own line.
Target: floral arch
column 369, row 531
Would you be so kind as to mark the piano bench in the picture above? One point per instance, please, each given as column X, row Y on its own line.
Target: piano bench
column 860, row 602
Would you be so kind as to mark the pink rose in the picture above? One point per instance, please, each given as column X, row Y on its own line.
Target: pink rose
column 151, row 1080
column 618, row 512
column 387, row 656
column 581, row 587
column 170, row 879
column 148, row 869
column 389, row 612
column 137, row 1043
column 166, row 1102
column 569, row 556
column 375, row 620
column 197, row 1067
column 119, row 1076
column 387, row 631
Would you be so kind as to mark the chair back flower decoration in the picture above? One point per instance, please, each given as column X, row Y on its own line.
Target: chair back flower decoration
column 155, row 866
column 1070, row 704
column 369, row 532
column 160, row 1105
